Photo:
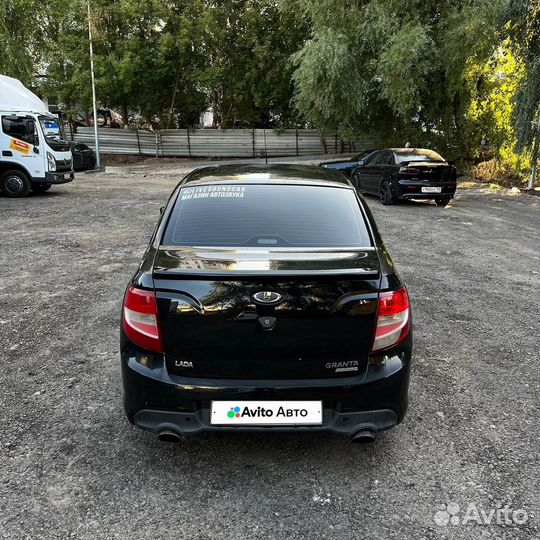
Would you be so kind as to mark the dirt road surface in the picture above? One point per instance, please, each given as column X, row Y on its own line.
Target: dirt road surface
column 72, row 467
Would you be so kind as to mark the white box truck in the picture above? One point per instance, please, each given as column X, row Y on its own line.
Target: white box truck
column 33, row 152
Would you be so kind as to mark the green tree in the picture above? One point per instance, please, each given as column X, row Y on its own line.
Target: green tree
column 524, row 16
column 20, row 43
column 395, row 66
column 246, row 71
column 173, row 59
column 143, row 53
column 492, row 88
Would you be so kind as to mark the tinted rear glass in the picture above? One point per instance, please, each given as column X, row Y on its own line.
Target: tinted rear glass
column 417, row 155
column 266, row 216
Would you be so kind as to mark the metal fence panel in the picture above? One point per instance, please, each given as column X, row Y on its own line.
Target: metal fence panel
column 119, row 141
column 309, row 142
column 275, row 144
column 173, row 142
column 220, row 142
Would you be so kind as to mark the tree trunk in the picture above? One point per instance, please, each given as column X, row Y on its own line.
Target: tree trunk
column 177, row 79
column 536, row 146
column 126, row 114
column 323, row 143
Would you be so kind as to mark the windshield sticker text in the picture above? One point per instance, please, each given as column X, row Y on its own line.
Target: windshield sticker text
column 213, row 192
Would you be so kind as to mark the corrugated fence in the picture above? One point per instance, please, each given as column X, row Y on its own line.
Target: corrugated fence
column 218, row 142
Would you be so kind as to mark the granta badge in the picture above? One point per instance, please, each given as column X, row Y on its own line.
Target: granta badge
column 267, row 298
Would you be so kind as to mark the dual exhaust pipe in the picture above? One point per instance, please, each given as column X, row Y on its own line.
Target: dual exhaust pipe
column 364, row 436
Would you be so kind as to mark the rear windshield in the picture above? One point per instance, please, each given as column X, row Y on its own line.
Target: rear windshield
column 417, row 155
column 266, row 216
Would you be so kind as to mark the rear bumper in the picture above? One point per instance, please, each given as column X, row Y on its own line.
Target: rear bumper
column 191, row 423
column 84, row 162
column 413, row 190
column 59, row 177
column 156, row 400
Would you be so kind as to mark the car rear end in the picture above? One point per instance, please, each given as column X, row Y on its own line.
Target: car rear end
column 84, row 158
column 426, row 180
column 266, row 305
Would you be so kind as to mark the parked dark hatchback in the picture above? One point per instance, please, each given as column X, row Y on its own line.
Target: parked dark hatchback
column 395, row 174
column 266, row 300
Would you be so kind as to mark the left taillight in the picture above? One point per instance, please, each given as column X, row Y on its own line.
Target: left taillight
column 409, row 170
column 140, row 319
column 393, row 319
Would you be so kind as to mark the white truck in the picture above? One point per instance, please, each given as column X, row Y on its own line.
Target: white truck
column 33, row 152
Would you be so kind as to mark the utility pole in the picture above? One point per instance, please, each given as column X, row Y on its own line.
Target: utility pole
column 535, row 155
column 96, row 138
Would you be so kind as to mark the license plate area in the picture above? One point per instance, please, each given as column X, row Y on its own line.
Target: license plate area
column 429, row 189
column 266, row 413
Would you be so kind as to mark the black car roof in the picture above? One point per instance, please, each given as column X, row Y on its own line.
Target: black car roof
column 412, row 151
column 353, row 157
column 266, row 174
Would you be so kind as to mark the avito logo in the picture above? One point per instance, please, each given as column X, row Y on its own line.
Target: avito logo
column 261, row 412
column 266, row 412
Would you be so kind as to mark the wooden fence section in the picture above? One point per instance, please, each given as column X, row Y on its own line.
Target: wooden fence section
column 194, row 143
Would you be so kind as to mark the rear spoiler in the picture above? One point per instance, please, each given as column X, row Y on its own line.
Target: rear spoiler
column 428, row 163
column 212, row 263
column 236, row 274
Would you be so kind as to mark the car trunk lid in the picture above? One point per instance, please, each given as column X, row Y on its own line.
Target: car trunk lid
column 266, row 314
column 426, row 171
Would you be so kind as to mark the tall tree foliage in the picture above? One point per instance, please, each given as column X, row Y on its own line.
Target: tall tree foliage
column 398, row 66
column 247, row 44
column 20, row 44
column 173, row 59
column 432, row 72
column 492, row 88
column 144, row 55
column 524, row 18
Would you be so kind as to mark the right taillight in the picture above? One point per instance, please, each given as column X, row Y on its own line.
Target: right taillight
column 393, row 319
column 140, row 319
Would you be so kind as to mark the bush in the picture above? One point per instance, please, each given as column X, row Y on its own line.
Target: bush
column 499, row 172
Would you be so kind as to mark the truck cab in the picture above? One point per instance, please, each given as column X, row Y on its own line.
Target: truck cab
column 34, row 154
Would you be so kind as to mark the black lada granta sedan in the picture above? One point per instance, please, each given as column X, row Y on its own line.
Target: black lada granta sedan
column 266, row 300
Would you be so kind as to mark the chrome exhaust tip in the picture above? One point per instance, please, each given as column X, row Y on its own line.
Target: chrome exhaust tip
column 169, row 436
column 364, row 436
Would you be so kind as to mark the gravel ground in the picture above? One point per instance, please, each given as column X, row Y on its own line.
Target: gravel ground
column 72, row 467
